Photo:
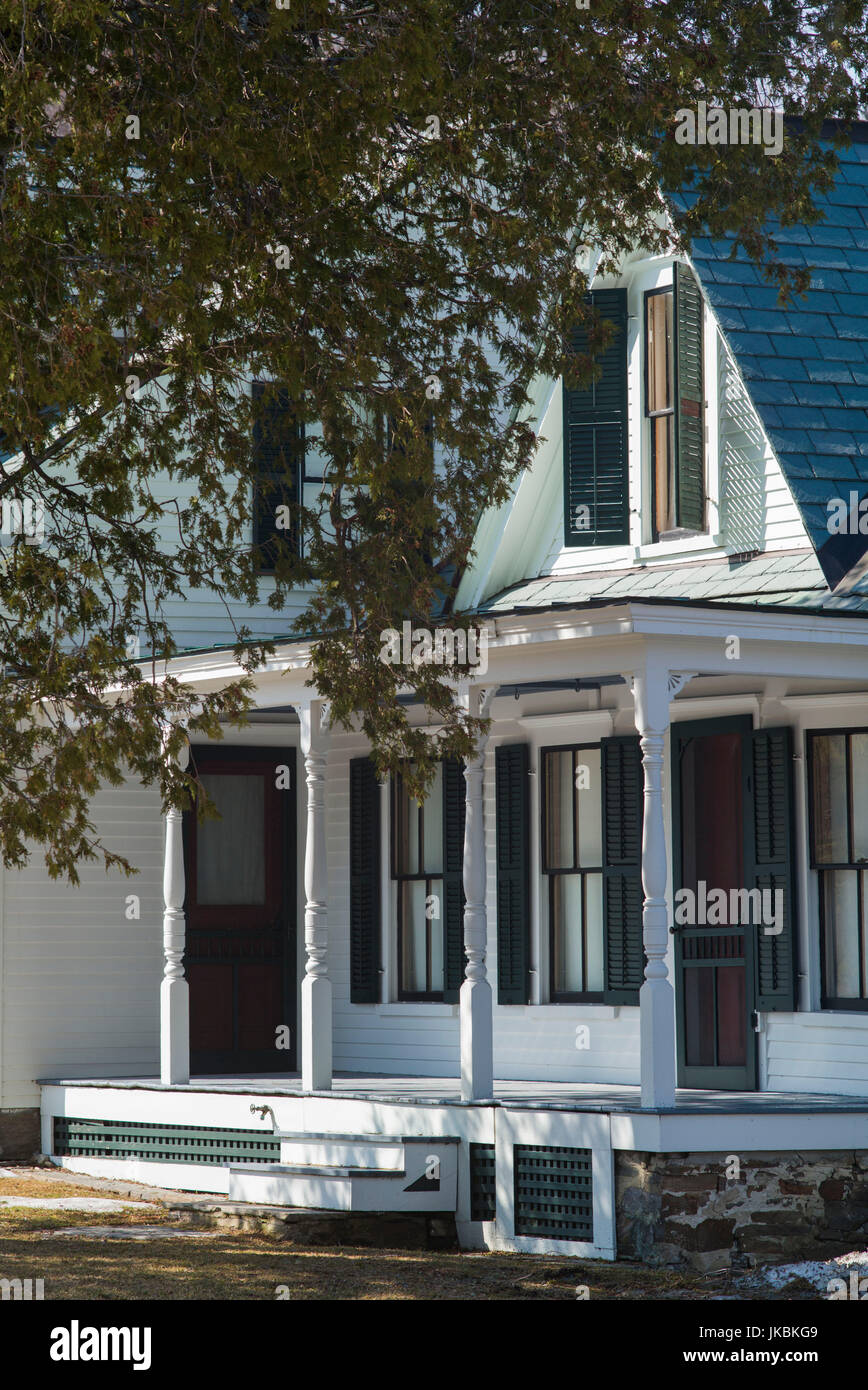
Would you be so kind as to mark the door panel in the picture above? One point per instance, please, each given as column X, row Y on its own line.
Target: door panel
column 714, row 957
column 240, row 957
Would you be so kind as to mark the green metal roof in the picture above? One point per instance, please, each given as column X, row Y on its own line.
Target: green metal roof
column 782, row 579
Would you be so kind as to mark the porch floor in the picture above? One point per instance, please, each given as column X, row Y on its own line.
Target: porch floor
column 545, row 1095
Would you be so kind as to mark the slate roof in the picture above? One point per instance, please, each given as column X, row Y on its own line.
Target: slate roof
column 806, row 364
column 779, row 579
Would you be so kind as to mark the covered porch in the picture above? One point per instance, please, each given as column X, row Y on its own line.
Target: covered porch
column 670, row 663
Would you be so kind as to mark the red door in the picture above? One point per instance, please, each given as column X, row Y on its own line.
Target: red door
column 240, row 956
column 714, row 963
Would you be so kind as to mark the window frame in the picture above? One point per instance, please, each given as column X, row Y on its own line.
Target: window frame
column 831, row 1002
column 582, row 996
column 652, row 415
column 399, row 879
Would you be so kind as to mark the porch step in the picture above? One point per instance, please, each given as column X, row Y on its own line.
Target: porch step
column 426, row 1180
column 343, row 1151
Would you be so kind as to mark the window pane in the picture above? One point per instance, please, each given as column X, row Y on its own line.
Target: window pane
column 841, row 933
column 406, row 830
column 663, row 454
column 660, row 351
column 589, row 808
column 566, row 901
column 230, row 853
column 559, row 852
column 433, row 829
column 830, row 799
column 413, row 937
column 859, row 773
column 594, row 931
column 435, row 932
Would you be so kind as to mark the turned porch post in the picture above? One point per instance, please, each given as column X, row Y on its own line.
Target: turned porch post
column 656, row 997
column 174, row 990
column 474, row 1000
column 316, row 987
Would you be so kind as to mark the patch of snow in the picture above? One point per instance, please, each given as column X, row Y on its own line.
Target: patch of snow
column 816, row 1272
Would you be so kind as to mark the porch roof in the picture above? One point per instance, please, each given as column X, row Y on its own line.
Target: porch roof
column 783, row 580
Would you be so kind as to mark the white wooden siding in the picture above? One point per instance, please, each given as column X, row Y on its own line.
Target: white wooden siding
column 81, row 983
column 817, row 1052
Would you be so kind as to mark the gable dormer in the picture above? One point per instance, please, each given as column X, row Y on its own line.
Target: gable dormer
column 662, row 460
column 671, row 432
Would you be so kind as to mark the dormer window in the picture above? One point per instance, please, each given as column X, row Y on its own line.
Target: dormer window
column 597, row 472
column 674, row 406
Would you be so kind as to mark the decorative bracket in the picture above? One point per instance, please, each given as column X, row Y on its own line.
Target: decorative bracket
column 676, row 681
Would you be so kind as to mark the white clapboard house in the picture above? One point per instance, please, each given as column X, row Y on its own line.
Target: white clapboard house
column 606, row 991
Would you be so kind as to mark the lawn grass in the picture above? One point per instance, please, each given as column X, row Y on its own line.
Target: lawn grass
column 240, row 1265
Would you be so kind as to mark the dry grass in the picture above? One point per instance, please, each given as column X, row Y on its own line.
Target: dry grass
column 230, row 1265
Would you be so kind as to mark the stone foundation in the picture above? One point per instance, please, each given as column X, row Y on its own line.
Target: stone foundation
column 380, row 1230
column 714, row 1210
column 19, row 1135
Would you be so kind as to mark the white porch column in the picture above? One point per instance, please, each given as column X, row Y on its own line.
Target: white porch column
column 174, row 990
column 656, row 997
column 474, row 1000
column 316, row 987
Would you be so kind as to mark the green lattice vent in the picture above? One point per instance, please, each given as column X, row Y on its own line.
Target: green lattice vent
column 162, row 1143
column 482, row 1182
column 553, row 1192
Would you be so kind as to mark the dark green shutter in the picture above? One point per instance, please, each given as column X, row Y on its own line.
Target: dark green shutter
column 772, row 801
column 364, row 882
column 595, row 437
column 454, row 795
column 689, row 402
column 623, row 792
column 512, row 804
column 278, row 449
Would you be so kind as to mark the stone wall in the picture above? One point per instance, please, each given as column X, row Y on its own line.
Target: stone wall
column 19, row 1134
column 714, row 1210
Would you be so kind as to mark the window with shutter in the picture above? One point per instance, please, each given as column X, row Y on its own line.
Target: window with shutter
column 675, row 405
column 596, row 483
column 513, row 872
column 838, row 781
column 364, row 882
column 773, row 866
column 278, row 459
column 572, row 862
column 623, row 793
column 427, row 872
column 689, row 401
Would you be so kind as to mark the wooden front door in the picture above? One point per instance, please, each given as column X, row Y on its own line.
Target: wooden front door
column 240, row 955
column 715, row 961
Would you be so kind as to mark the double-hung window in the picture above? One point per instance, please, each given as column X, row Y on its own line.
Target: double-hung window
column 417, row 871
column 838, row 769
column 573, row 868
column 674, row 405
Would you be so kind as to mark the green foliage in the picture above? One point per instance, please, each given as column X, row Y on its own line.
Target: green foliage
column 348, row 199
